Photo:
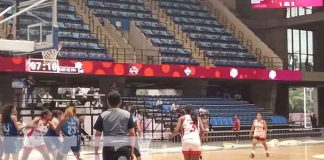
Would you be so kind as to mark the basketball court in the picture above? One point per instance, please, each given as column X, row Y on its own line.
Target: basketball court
column 279, row 150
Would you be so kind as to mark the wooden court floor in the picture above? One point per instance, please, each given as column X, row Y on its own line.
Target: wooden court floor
column 302, row 152
column 305, row 152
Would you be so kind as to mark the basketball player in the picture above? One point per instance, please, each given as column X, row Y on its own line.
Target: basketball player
column 259, row 127
column 191, row 128
column 52, row 139
column 138, row 132
column 10, row 128
column 236, row 127
column 69, row 127
column 35, row 136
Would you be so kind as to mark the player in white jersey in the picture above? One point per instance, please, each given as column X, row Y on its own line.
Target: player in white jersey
column 259, row 130
column 190, row 125
column 35, row 136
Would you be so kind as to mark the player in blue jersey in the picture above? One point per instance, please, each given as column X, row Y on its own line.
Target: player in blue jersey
column 69, row 128
column 10, row 132
column 51, row 137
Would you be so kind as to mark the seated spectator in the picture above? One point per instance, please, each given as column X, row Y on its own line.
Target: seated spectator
column 90, row 95
column 174, row 107
column 79, row 95
column 202, row 110
column 227, row 94
column 113, row 88
column 97, row 98
column 47, row 99
column 159, row 103
column 68, row 94
column 237, row 96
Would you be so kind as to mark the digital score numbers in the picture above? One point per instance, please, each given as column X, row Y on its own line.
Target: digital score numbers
column 41, row 65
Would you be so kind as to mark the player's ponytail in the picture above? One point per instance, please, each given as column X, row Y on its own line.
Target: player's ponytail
column 190, row 111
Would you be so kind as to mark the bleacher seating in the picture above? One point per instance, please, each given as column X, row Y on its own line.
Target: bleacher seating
column 75, row 36
column 171, row 49
column 216, row 42
column 221, row 110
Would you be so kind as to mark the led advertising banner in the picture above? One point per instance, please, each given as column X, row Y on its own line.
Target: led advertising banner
column 285, row 3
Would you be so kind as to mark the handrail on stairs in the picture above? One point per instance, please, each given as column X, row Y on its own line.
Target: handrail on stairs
column 107, row 43
column 99, row 32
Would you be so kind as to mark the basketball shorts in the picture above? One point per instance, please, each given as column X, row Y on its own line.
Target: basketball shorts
column 73, row 143
column 11, row 144
column 33, row 142
column 52, row 142
column 111, row 153
column 191, row 146
column 259, row 136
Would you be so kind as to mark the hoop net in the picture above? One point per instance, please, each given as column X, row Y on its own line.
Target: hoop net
column 50, row 56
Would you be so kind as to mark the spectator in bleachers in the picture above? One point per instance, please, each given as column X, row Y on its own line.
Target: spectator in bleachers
column 114, row 88
column 174, row 107
column 205, row 121
column 236, row 127
column 90, row 95
column 138, row 133
column 159, row 103
column 68, row 94
column 96, row 98
column 313, row 120
column 227, row 94
column 237, row 96
column 79, row 95
column 47, row 99
column 29, row 82
column 202, row 110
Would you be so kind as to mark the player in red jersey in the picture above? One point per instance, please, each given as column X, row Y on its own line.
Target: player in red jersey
column 236, row 127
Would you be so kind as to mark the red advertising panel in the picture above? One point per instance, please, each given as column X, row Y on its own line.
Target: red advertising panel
column 285, row 3
column 23, row 65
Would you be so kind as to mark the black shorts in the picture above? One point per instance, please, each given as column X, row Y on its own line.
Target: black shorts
column 110, row 153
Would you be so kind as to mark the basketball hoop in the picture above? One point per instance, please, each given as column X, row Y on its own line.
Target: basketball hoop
column 50, row 56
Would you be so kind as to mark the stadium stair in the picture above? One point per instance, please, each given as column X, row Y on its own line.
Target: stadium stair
column 176, row 29
column 4, row 30
column 115, row 38
column 237, row 27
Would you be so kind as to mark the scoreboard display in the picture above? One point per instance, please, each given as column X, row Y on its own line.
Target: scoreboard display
column 40, row 65
column 285, row 3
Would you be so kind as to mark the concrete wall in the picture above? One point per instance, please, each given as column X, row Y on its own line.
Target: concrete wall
column 321, row 106
column 144, row 49
column 263, row 94
column 282, row 100
column 260, row 20
column 6, row 92
column 195, row 87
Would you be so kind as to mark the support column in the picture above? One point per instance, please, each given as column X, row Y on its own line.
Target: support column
column 282, row 103
column 320, row 106
column 264, row 94
column 6, row 92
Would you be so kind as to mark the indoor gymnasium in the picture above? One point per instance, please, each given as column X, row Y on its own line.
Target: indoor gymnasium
column 161, row 79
